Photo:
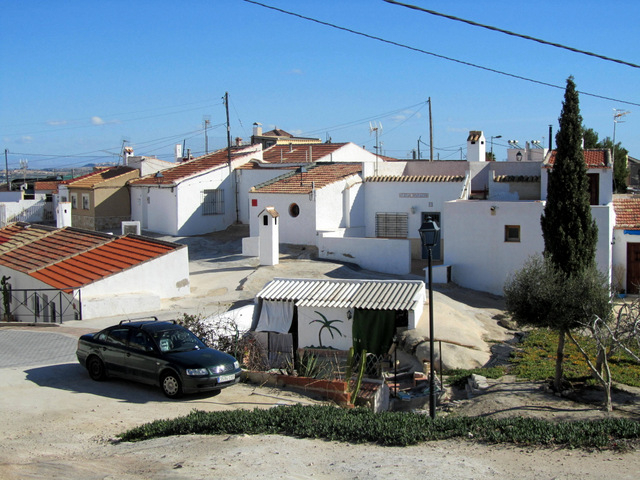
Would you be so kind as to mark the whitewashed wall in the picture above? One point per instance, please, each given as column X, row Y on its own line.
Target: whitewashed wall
column 300, row 230
column 378, row 254
column 160, row 278
column 619, row 248
column 478, row 254
column 308, row 330
column 155, row 208
column 412, row 198
column 480, row 259
column 248, row 178
column 605, row 183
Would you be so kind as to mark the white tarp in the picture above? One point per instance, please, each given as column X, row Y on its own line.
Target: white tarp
column 275, row 316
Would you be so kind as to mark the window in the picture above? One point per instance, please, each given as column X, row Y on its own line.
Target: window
column 512, row 233
column 392, row 225
column 294, row 210
column 213, row 202
column 118, row 336
column 85, row 201
column 74, row 200
column 141, row 341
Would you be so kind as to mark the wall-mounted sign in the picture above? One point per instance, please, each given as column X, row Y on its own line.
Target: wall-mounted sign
column 414, row 195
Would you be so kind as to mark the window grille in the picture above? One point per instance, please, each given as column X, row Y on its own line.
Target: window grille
column 392, row 225
column 213, row 202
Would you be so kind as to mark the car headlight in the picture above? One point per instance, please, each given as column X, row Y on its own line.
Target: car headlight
column 197, row 371
column 218, row 369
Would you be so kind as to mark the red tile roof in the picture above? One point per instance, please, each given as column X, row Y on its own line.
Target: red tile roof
column 627, row 212
column 69, row 257
column 47, row 249
column 112, row 257
column 316, row 176
column 48, row 185
column 173, row 175
column 92, row 179
column 300, row 153
column 594, row 158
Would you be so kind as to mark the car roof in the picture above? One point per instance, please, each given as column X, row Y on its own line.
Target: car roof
column 149, row 325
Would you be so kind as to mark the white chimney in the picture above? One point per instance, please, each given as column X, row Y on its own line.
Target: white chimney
column 476, row 146
column 257, row 129
column 178, row 152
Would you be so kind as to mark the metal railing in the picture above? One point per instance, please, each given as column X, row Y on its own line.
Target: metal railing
column 43, row 305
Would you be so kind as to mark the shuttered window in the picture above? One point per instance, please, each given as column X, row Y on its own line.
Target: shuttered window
column 213, row 202
column 392, row 225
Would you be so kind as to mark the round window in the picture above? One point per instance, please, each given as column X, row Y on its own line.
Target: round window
column 294, row 210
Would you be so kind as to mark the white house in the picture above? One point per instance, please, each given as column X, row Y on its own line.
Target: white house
column 313, row 198
column 62, row 274
column 626, row 244
column 192, row 198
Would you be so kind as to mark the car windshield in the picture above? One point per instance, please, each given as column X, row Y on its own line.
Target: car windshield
column 177, row 340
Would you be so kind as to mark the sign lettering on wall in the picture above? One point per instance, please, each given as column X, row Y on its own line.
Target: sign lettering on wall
column 414, row 195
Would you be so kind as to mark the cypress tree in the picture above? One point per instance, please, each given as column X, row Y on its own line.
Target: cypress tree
column 570, row 234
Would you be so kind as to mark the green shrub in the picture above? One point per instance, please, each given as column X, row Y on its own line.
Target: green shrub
column 392, row 428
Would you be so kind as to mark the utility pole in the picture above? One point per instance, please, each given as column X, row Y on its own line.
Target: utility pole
column 430, row 133
column 419, row 146
column 226, row 107
column 617, row 115
column 6, row 168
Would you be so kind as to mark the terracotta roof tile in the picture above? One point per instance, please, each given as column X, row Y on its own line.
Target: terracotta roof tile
column 627, row 212
column 415, row 178
column 594, row 158
column 181, row 171
column 300, row 153
column 48, row 185
column 112, row 257
column 316, row 176
column 94, row 178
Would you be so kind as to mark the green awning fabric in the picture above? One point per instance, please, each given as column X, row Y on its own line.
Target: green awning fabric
column 373, row 330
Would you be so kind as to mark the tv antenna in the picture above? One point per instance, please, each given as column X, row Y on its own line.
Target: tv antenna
column 377, row 128
column 617, row 115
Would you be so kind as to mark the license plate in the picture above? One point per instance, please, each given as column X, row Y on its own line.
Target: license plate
column 226, row 378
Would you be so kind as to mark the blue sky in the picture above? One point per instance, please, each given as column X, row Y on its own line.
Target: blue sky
column 77, row 78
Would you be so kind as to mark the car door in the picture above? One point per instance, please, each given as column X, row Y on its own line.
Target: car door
column 141, row 357
column 113, row 350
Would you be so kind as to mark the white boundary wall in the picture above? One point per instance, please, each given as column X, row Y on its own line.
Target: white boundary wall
column 377, row 254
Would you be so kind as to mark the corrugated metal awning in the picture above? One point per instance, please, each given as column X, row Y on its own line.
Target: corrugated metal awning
column 365, row 294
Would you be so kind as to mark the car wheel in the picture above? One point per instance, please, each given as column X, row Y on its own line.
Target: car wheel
column 96, row 369
column 171, row 385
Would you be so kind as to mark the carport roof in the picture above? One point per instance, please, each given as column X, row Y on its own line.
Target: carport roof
column 364, row 294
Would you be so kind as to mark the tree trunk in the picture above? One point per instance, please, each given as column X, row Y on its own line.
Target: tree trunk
column 557, row 383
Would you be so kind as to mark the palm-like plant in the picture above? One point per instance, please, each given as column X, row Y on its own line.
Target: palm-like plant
column 326, row 324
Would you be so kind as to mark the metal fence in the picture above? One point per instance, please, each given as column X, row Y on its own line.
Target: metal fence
column 44, row 305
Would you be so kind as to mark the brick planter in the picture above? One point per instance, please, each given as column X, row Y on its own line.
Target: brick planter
column 335, row 390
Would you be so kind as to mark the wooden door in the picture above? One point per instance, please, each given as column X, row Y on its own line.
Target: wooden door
column 633, row 267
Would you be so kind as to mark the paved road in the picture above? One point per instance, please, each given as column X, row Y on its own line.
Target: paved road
column 24, row 348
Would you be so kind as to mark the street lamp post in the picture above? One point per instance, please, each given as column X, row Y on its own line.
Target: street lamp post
column 492, row 137
column 430, row 234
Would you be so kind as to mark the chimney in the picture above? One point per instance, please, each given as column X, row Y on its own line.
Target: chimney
column 238, row 141
column 476, row 146
column 257, row 129
column 178, row 151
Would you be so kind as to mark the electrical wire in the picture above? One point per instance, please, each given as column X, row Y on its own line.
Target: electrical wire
column 419, row 50
column 513, row 34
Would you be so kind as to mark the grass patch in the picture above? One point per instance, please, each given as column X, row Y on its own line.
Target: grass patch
column 536, row 360
column 392, row 428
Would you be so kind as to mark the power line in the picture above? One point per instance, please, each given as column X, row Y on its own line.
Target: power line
column 513, row 34
column 419, row 50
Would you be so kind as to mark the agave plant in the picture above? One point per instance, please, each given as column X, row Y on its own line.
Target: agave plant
column 326, row 324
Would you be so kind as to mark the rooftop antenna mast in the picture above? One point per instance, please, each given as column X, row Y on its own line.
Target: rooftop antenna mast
column 206, row 119
column 617, row 115
column 376, row 127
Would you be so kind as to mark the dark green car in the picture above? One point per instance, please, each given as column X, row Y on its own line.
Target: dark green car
column 157, row 353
